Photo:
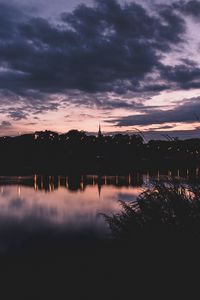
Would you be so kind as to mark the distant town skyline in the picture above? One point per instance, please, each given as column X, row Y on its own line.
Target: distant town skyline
column 128, row 65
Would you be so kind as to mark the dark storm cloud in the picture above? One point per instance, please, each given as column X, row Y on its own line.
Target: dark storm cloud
column 9, row 16
column 191, row 8
column 108, row 47
column 187, row 112
column 186, row 76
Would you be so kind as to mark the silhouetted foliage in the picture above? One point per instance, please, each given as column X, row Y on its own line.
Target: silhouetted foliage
column 75, row 150
column 164, row 210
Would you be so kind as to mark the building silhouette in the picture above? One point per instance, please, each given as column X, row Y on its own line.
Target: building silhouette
column 100, row 135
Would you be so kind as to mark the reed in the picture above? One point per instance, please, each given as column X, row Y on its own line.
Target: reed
column 164, row 210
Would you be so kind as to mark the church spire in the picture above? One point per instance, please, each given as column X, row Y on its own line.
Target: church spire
column 99, row 132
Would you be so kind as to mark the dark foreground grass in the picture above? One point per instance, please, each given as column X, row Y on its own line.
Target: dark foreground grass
column 164, row 211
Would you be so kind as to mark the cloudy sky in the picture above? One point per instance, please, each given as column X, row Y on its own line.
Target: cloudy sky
column 74, row 64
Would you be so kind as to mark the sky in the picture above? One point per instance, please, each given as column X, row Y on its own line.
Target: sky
column 128, row 65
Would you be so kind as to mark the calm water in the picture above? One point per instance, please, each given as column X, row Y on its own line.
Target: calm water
column 74, row 204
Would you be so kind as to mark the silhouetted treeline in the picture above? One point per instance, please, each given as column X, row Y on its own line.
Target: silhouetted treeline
column 75, row 150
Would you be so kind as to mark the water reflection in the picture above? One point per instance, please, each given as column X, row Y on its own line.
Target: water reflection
column 74, row 202
column 81, row 183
